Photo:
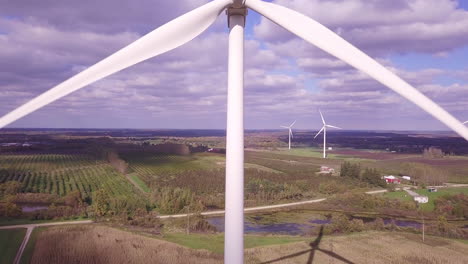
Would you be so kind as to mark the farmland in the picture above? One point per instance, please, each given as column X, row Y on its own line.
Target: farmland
column 369, row 247
column 60, row 174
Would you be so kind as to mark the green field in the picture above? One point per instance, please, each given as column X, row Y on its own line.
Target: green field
column 140, row 183
column 60, row 174
column 10, row 241
column 440, row 192
column 215, row 242
column 402, row 195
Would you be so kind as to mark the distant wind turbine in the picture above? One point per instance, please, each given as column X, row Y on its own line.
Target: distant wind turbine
column 188, row 26
column 324, row 129
column 290, row 132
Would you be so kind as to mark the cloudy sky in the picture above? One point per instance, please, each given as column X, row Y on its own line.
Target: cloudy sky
column 42, row 43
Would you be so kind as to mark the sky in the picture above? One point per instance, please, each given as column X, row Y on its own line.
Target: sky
column 45, row 42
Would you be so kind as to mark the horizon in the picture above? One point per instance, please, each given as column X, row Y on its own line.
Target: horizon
column 221, row 129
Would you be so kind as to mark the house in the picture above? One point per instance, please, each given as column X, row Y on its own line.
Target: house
column 432, row 189
column 408, row 178
column 392, row 179
column 325, row 169
column 421, row 199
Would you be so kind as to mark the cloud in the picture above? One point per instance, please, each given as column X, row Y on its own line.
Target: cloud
column 382, row 27
column 285, row 78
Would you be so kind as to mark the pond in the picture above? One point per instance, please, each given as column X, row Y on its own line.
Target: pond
column 299, row 229
column 31, row 207
column 277, row 228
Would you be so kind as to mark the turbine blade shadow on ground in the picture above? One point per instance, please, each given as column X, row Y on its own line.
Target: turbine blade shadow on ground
column 314, row 247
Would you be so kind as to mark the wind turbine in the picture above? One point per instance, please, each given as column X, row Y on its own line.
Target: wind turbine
column 324, row 129
column 186, row 27
column 290, row 132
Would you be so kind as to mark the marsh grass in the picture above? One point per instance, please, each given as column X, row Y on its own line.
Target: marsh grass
column 101, row 244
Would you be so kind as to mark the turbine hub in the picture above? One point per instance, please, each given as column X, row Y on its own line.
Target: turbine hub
column 238, row 3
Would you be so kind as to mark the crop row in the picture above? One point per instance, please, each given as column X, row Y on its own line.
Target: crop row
column 69, row 173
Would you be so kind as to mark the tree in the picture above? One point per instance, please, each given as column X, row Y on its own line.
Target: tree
column 100, row 202
column 372, row 176
column 350, row 170
column 12, row 210
column 10, row 188
column 73, row 199
column 433, row 153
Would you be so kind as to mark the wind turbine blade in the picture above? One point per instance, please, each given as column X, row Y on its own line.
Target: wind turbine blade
column 165, row 38
column 334, row 126
column 319, row 131
column 284, row 126
column 323, row 119
column 466, row 122
column 325, row 39
column 291, row 133
column 293, row 123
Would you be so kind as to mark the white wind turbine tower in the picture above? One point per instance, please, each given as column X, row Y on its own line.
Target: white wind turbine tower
column 186, row 27
column 324, row 129
column 290, row 132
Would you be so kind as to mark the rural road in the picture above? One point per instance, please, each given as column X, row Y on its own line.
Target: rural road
column 261, row 208
column 30, row 227
column 250, row 209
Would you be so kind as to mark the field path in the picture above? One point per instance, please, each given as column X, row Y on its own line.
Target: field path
column 129, row 178
column 23, row 245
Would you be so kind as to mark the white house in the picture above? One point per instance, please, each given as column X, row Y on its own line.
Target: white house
column 421, row 199
column 408, row 178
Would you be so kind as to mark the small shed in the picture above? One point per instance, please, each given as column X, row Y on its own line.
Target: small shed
column 408, row 178
column 432, row 189
column 325, row 169
column 421, row 199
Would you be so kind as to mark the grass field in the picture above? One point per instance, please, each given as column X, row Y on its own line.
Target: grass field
column 215, row 242
column 440, row 192
column 402, row 195
column 10, row 241
column 60, row 174
column 140, row 183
